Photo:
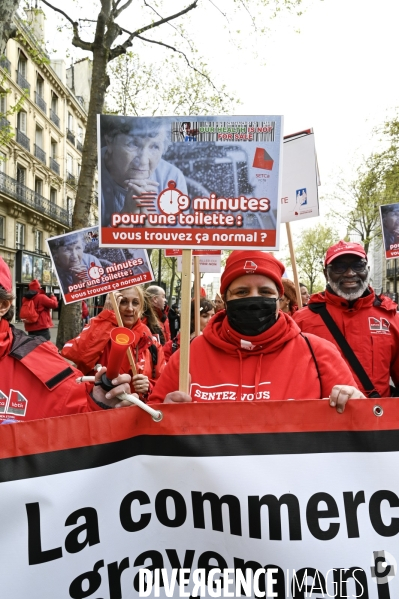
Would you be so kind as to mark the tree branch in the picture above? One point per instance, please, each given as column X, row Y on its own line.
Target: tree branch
column 117, row 11
column 170, row 24
column 76, row 41
column 121, row 49
column 145, row 39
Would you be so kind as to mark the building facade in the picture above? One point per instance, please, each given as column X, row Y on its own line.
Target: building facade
column 40, row 161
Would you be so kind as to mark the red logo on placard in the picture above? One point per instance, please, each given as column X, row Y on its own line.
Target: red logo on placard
column 262, row 159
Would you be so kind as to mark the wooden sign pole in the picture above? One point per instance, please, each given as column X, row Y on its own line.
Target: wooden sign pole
column 185, row 317
column 293, row 264
column 197, row 295
column 120, row 323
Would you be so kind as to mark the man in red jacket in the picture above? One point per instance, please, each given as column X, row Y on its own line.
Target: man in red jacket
column 369, row 323
column 252, row 351
column 36, row 382
column 43, row 304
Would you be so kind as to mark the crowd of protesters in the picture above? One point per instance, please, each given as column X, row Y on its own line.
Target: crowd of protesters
column 254, row 342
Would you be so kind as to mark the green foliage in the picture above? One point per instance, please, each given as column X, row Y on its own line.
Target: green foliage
column 310, row 248
column 145, row 89
column 6, row 131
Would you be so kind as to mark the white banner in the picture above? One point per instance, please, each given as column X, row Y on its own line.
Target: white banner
column 311, row 509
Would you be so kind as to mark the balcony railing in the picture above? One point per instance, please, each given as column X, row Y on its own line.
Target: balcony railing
column 5, row 63
column 22, row 82
column 54, row 166
column 2, row 241
column 4, row 124
column 39, row 153
column 22, row 139
column 391, row 273
column 70, row 136
column 79, row 145
column 71, row 179
column 40, row 102
column 19, row 246
column 55, row 118
column 30, row 198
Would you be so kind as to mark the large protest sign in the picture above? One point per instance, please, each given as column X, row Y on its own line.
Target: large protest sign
column 389, row 214
column 300, row 197
column 311, row 496
column 211, row 183
column 85, row 270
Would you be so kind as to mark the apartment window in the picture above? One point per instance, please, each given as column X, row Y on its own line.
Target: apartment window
column 2, row 162
column 53, row 195
column 69, row 164
column 39, row 137
column 2, row 230
column 70, row 121
column 22, row 65
column 39, row 186
column 3, row 102
column 39, row 86
column 79, row 167
column 80, row 134
column 19, row 236
column 21, row 121
column 54, row 103
column 53, row 150
column 38, row 241
column 21, row 174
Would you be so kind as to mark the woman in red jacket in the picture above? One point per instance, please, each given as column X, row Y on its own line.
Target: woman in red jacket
column 93, row 345
column 253, row 351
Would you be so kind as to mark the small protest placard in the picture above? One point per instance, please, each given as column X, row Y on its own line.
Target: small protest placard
column 300, row 197
column 389, row 214
column 169, row 182
column 85, row 270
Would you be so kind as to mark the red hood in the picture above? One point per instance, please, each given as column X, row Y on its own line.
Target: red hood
column 363, row 302
column 6, row 338
column 219, row 333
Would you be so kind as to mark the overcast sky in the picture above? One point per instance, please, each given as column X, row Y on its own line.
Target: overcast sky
column 337, row 75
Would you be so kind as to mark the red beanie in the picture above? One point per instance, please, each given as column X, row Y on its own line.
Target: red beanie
column 5, row 276
column 251, row 262
column 34, row 285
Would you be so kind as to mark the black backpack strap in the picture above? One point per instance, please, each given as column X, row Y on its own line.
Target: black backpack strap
column 314, row 359
column 154, row 355
column 321, row 309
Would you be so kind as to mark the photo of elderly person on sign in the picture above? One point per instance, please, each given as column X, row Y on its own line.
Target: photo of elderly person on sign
column 71, row 262
column 133, row 172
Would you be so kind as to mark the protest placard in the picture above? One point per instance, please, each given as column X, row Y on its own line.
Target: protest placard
column 300, row 180
column 85, row 270
column 389, row 214
column 210, row 263
column 217, row 187
column 308, row 505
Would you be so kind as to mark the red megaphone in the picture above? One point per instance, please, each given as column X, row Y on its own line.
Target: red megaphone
column 121, row 340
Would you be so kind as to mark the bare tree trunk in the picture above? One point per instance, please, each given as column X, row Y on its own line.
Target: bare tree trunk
column 8, row 30
column 71, row 322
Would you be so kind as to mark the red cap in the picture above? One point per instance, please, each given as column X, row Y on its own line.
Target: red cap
column 241, row 263
column 34, row 285
column 344, row 247
column 5, row 276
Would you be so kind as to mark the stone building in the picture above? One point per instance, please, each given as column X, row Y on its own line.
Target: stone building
column 40, row 161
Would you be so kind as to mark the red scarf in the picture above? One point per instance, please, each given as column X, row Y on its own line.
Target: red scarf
column 6, row 338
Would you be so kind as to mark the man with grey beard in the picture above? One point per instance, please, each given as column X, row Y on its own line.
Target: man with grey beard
column 369, row 323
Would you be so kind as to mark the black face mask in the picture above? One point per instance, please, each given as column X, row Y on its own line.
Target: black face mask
column 251, row 316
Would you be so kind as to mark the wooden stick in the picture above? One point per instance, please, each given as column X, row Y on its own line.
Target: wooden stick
column 184, row 372
column 293, row 264
column 197, row 295
column 120, row 322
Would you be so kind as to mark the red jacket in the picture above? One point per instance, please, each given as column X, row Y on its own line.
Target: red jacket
column 275, row 365
column 35, row 381
column 370, row 326
column 93, row 345
column 43, row 305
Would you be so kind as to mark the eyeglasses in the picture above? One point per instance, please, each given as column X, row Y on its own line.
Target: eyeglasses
column 340, row 267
